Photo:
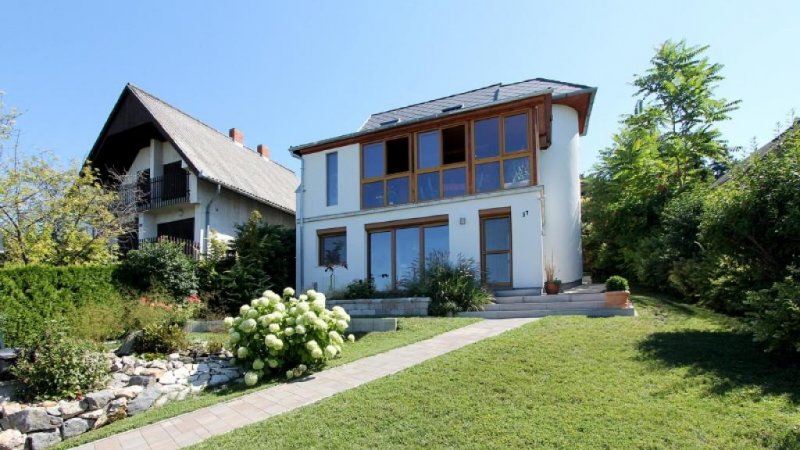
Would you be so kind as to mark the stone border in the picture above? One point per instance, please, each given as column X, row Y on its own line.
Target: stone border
column 369, row 325
column 205, row 326
column 371, row 307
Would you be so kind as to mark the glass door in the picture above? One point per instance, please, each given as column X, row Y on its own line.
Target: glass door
column 380, row 259
column 496, row 250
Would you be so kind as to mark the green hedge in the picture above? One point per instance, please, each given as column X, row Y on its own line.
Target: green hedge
column 30, row 296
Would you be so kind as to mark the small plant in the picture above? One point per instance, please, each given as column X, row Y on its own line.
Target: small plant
column 360, row 289
column 452, row 286
column 215, row 345
column 59, row 366
column 164, row 337
column 161, row 264
column 616, row 283
column 550, row 272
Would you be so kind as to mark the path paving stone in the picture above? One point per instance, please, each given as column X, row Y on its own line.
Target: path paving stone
column 193, row 427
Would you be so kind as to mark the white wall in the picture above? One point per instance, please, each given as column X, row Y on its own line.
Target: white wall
column 349, row 178
column 558, row 173
column 463, row 239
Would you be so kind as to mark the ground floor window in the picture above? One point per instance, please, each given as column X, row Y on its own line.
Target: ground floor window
column 398, row 250
column 496, row 247
column 332, row 247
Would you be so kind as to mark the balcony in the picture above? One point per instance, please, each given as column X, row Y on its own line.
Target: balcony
column 152, row 193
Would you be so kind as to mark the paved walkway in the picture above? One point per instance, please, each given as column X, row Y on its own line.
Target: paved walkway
column 191, row 428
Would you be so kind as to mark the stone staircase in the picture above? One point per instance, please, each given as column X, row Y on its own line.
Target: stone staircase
column 585, row 300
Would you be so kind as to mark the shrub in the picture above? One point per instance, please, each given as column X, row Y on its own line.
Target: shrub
column 164, row 337
column 275, row 333
column 452, row 286
column 360, row 289
column 59, row 366
column 159, row 265
column 616, row 283
column 99, row 321
column 775, row 316
column 30, row 296
column 215, row 345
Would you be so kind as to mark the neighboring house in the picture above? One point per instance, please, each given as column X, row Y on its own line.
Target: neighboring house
column 765, row 149
column 490, row 174
column 186, row 177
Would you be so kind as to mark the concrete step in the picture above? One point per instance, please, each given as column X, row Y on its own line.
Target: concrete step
column 538, row 306
column 590, row 312
column 551, row 298
column 529, row 292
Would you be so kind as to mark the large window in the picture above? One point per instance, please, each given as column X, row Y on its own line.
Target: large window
column 398, row 251
column 502, row 152
column 332, row 178
column 386, row 173
column 332, row 247
column 442, row 163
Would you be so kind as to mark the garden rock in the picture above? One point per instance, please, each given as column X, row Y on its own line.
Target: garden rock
column 126, row 348
column 71, row 409
column 12, row 440
column 168, row 378
column 141, row 380
column 74, row 427
column 93, row 415
column 37, row 441
column 99, row 399
column 129, row 392
column 144, row 400
column 174, row 356
column 157, row 364
column 32, row 419
column 218, row 380
column 153, row 372
column 117, row 409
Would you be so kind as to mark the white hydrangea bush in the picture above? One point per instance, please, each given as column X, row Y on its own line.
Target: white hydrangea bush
column 286, row 333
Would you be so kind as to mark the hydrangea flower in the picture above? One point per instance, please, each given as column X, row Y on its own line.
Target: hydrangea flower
column 330, row 351
column 243, row 310
column 242, row 353
column 288, row 331
column 248, row 326
column 272, row 363
column 274, row 328
column 288, row 292
column 316, row 353
column 300, row 329
column 251, row 378
column 289, row 374
column 228, row 321
column 351, row 337
column 258, row 364
column 234, row 337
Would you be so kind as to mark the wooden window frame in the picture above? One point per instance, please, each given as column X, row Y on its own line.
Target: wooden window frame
column 385, row 178
column 326, row 233
column 420, row 223
column 442, row 166
column 502, row 156
column 497, row 213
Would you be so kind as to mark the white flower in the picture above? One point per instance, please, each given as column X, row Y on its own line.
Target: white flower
column 252, row 314
column 280, row 307
column 335, row 337
column 272, row 363
column 288, row 292
column 243, row 310
column 234, row 337
column 278, row 344
column 303, row 307
column 251, row 378
column 258, row 364
column 300, row 329
column 229, row 321
column 242, row 353
column 303, row 298
column 351, row 337
column 289, row 374
column 330, row 351
column 311, row 293
column 310, row 316
column 302, row 368
column 316, row 353
column 311, row 345
column 342, row 324
column 321, row 325
column 274, row 328
column 290, row 320
column 268, row 293
column 288, row 331
column 248, row 326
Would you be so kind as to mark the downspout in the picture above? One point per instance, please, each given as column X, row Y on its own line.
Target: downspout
column 208, row 218
column 300, row 222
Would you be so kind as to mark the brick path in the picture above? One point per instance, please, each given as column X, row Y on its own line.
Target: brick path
column 193, row 427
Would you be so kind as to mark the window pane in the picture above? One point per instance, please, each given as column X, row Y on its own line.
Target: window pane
column 373, row 160
column 455, row 182
column 498, row 268
column 332, row 178
column 397, row 191
column 428, row 149
column 516, row 172
column 372, row 194
column 515, row 131
column 397, row 156
column 407, row 248
column 437, row 241
column 454, row 145
column 380, row 259
column 487, row 138
column 334, row 250
column 497, row 234
column 428, row 186
column 487, row 177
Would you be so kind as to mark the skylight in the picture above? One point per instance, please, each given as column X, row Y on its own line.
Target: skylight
column 452, row 108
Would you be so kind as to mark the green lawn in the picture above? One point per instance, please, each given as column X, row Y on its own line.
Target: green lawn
column 410, row 330
column 674, row 377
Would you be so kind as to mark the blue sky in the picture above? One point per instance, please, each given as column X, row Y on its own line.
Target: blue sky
column 294, row 72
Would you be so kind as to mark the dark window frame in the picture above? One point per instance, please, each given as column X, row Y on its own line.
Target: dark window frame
column 322, row 235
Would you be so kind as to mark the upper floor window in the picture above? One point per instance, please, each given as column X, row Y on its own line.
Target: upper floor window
column 441, row 163
column 332, row 178
column 386, row 173
column 502, row 152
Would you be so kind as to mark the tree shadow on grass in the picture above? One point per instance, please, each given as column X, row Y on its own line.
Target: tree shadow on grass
column 731, row 356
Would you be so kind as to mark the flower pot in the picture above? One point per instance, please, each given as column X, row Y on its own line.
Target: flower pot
column 551, row 288
column 618, row 299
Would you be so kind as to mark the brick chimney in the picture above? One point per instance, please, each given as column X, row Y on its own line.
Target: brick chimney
column 263, row 150
column 237, row 135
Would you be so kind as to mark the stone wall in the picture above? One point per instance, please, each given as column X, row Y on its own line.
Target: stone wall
column 404, row 306
column 135, row 386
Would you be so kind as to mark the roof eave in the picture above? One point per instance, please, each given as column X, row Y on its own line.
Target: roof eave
column 297, row 149
column 592, row 91
column 203, row 176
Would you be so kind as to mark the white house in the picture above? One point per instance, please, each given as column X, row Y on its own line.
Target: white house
column 189, row 178
column 490, row 174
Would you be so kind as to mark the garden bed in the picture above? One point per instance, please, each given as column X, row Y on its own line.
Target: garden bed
column 382, row 307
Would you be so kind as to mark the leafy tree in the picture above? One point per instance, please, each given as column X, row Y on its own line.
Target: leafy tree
column 669, row 145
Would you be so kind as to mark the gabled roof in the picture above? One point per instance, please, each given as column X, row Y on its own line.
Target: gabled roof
column 210, row 154
column 577, row 96
column 470, row 99
column 765, row 149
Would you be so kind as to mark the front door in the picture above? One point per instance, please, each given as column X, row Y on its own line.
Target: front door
column 496, row 250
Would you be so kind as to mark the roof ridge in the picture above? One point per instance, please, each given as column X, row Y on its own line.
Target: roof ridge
column 250, row 150
column 437, row 99
column 550, row 80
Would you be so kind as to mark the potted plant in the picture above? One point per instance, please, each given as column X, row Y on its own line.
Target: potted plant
column 617, row 293
column 552, row 285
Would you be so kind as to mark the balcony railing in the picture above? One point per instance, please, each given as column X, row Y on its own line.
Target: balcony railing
column 152, row 193
column 189, row 247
